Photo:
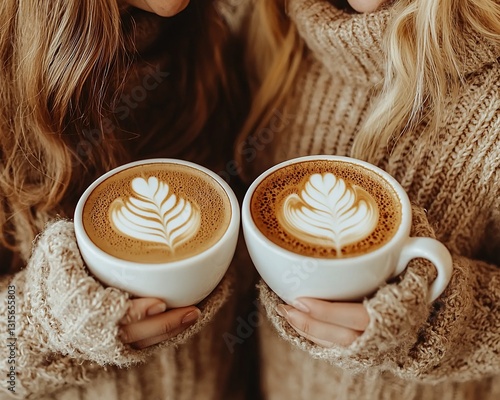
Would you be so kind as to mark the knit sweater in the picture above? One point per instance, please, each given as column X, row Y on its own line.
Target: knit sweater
column 65, row 335
column 59, row 325
column 410, row 349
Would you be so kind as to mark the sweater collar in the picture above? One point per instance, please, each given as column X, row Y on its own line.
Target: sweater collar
column 340, row 38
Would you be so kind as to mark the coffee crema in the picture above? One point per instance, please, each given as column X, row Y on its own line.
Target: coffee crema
column 156, row 213
column 326, row 209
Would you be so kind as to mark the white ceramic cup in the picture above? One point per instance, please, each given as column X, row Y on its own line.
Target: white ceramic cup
column 291, row 275
column 179, row 283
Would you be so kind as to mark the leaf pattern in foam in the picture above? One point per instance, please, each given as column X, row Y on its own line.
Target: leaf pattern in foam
column 154, row 214
column 329, row 212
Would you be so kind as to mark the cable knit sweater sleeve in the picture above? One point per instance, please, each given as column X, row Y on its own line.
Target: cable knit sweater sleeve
column 457, row 337
column 65, row 327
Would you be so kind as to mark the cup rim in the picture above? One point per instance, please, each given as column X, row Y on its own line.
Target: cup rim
column 402, row 232
column 81, row 233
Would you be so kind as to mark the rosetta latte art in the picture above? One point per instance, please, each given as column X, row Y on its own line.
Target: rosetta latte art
column 329, row 212
column 154, row 214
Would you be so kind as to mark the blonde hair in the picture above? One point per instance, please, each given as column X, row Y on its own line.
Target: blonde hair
column 63, row 63
column 423, row 47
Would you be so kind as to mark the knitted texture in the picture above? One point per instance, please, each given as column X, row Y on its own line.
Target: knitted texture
column 410, row 350
column 67, row 322
column 78, row 315
column 408, row 337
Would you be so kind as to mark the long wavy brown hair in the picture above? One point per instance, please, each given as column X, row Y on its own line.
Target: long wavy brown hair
column 63, row 66
column 423, row 45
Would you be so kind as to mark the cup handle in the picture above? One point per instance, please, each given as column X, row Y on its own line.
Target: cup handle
column 435, row 252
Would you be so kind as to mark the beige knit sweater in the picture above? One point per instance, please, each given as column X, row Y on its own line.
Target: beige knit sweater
column 58, row 325
column 410, row 350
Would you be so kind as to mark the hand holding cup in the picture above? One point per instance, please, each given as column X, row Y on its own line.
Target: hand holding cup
column 160, row 228
column 333, row 228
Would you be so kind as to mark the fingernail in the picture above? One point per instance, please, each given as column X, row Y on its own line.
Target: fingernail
column 282, row 311
column 191, row 317
column 156, row 309
column 301, row 306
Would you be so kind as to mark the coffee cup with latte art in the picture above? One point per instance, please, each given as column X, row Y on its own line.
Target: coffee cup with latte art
column 160, row 228
column 333, row 228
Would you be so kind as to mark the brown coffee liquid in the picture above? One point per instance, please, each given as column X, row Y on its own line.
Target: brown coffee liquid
column 204, row 194
column 268, row 200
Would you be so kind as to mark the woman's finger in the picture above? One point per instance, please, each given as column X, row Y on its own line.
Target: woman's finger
column 165, row 324
column 348, row 315
column 142, row 344
column 141, row 308
column 322, row 333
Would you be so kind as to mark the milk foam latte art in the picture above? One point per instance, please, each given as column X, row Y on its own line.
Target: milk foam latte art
column 330, row 212
column 326, row 209
column 157, row 213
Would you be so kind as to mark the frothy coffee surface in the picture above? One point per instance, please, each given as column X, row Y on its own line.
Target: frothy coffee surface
column 156, row 213
column 326, row 209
